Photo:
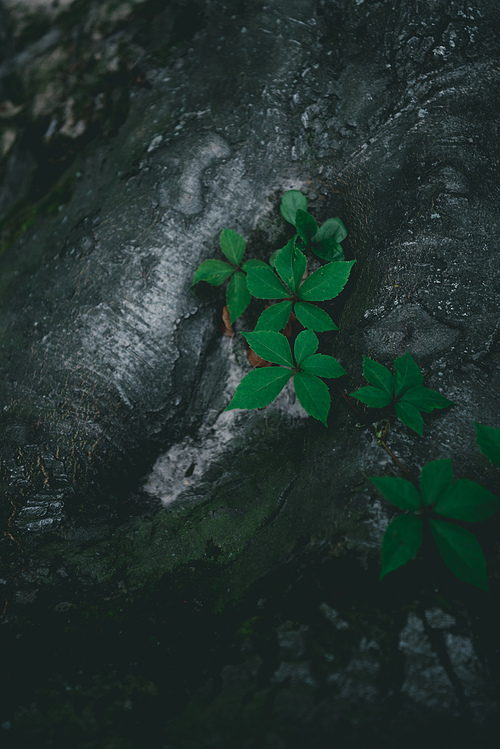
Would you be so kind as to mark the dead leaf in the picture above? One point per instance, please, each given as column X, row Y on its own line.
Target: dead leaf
column 226, row 327
column 257, row 361
column 291, row 327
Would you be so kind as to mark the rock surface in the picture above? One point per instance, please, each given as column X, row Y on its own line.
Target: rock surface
column 176, row 575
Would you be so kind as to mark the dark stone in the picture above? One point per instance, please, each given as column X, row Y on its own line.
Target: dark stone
column 409, row 326
column 176, row 575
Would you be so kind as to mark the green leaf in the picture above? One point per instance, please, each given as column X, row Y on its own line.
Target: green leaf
column 378, row 375
column 253, row 263
column 410, row 416
column 425, row 399
column 272, row 258
column 399, row 492
column 291, row 202
column 290, row 264
column 373, row 397
column 323, row 366
column 401, row 542
column 306, row 344
column 313, row 317
column 213, row 272
column 435, row 478
column 237, row 295
column 461, row 553
column 328, row 249
column 408, row 375
column 273, row 347
column 259, row 387
column 466, row 500
column 263, row 283
column 313, row 395
column 306, row 225
column 488, row 439
column 232, row 245
column 325, row 283
column 334, row 229
column 275, row 317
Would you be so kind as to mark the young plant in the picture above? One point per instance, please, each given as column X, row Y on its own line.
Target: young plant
column 324, row 241
column 261, row 386
column 402, row 391
column 215, row 272
column 439, row 500
column 285, row 282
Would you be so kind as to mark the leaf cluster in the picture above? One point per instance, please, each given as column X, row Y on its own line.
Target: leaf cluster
column 438, row 500
column 440, row 503
column 324, row 241
column 285, row 281
column 403, row 391
column 261, row 386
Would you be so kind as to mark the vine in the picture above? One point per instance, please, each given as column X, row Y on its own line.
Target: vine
column 283, row 347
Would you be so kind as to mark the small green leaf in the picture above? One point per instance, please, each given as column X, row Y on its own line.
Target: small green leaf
column 306, row 344
column 313, row 317
column 291, row 202
column 410, row 416
column 435, row 478
column 232, row 245
column 259, row 387
column 488, row 439
column 401, row 542
column 466, row 500
column 399, row 492
column 263, row 283
column 313, row 395
column 290, row 264
column 425, row 399
column 275, row 317
column 273, row 347
column 237, row 295
column 328, row 249
column 334, row 229
column 213, row 272
column 373, row 397
column 378, row 375
column 408, row 375
column 323, row 366
column 461, row 553
column 306, row 225
column 325, row 283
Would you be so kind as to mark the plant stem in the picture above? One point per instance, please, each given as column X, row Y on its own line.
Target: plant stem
column 381, row 442
column 396, row 460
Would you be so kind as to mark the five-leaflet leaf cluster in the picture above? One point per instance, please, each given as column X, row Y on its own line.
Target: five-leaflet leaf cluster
column 439, row 500
column 402, row 391
column 258, row 388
